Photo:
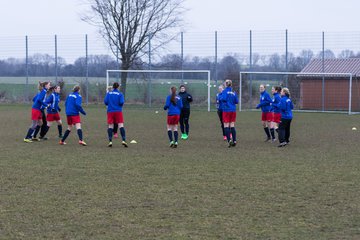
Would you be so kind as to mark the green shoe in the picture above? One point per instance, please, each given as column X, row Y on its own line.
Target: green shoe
column 186, row 136
column 183, row 136
column 172, row 144
column 110, row 144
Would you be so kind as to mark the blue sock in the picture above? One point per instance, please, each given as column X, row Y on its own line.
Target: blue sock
column 122, row 132
column 67, row 132
column 29, row 133
column 227, row 133
column 37, row 129
column 110, row 133
column 170, row 135
column 79, row 132
column 233, row 133
column 176, row 135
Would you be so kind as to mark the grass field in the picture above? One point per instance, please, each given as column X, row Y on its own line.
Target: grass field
column 201, row 190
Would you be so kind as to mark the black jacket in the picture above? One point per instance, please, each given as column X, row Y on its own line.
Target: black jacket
column 186, row 99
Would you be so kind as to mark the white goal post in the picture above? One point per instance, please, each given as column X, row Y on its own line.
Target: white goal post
column 166, row 71
column 301, row 74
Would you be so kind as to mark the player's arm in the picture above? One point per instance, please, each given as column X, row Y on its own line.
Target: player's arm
column 121, row 100
column 78, row 105
column 167, row 103
column 106, row 99
column 189, row 98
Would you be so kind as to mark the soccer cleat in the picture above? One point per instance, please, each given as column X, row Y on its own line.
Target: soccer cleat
column 28, row 140
column 175, row 144
column 82, row 143
column 233, row 144
column 267, row 139
column 283, row 144
column 124, row 144
column 35, row 139
column 186, row 136
column 172, row 144
column 62, row 143
column 183, row 136
column 225, row 138
column 273, row 140
column 230, row 143
column 60, row 136
column 43, row 138
column 110, row 144
column 116, row 135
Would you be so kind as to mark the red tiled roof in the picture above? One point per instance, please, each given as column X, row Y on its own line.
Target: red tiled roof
column 349, row 65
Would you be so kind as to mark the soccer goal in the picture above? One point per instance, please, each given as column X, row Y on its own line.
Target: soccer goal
column 319, row 92
column 150, row 87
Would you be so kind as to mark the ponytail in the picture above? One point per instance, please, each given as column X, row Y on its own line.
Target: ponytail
column 173, row 95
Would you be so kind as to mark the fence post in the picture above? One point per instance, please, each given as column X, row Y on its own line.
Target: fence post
column 250, row 69
column 27, row 68
column 216, row 58
column 286, row 56
column 149, row 81
column 87, row 69
column 182, row 57
column 56, row 61
column 323, row 70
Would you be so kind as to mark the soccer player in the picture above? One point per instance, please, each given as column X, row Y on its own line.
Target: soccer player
column 114, row 100
column 173, row 105
column 185, row 112
column 276, row 117
column 286, row 107
column 53, row 110
column 266, row 116
column 116, row 126
column 229, row 100
column 219, row 107
column 36, row 115
column 73, row 109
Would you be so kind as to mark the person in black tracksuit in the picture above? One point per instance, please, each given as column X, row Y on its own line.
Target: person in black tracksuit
column 185, row 112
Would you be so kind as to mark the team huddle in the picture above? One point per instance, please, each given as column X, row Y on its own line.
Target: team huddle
column 276, row 113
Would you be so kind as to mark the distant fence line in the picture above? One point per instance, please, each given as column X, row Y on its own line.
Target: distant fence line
column 250, row 48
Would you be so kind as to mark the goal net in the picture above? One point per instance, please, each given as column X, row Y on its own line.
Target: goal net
column 149, row 88
column 320, row 92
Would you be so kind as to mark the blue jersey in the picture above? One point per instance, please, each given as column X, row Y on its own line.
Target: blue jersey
column 53, row 103
column 286, row 107
column 228, row 100
column 219, row 104
column 39, row 100
column 275, row 101
column 173, row 109
column 114, row 100
column 73, row 104
column 265, row 101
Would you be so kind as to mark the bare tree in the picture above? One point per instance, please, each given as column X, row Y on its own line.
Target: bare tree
column 129, row 25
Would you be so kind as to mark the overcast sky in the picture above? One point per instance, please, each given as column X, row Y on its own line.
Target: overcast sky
column 48, row 17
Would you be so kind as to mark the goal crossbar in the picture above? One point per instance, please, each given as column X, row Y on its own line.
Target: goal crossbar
column 350, row 75
column 166, row 71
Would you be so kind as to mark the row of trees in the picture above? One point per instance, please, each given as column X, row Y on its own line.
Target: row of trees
column 44, row 64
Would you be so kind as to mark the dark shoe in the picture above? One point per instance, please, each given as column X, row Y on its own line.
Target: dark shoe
column 267, row 139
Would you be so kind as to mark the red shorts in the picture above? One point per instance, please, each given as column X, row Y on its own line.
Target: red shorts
column 50, row 117
column 72, row 120
column 267, row 116
column 36, row 114
column 229, row 117
column 115, row 117
column 173, row 120
column 277, row 117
